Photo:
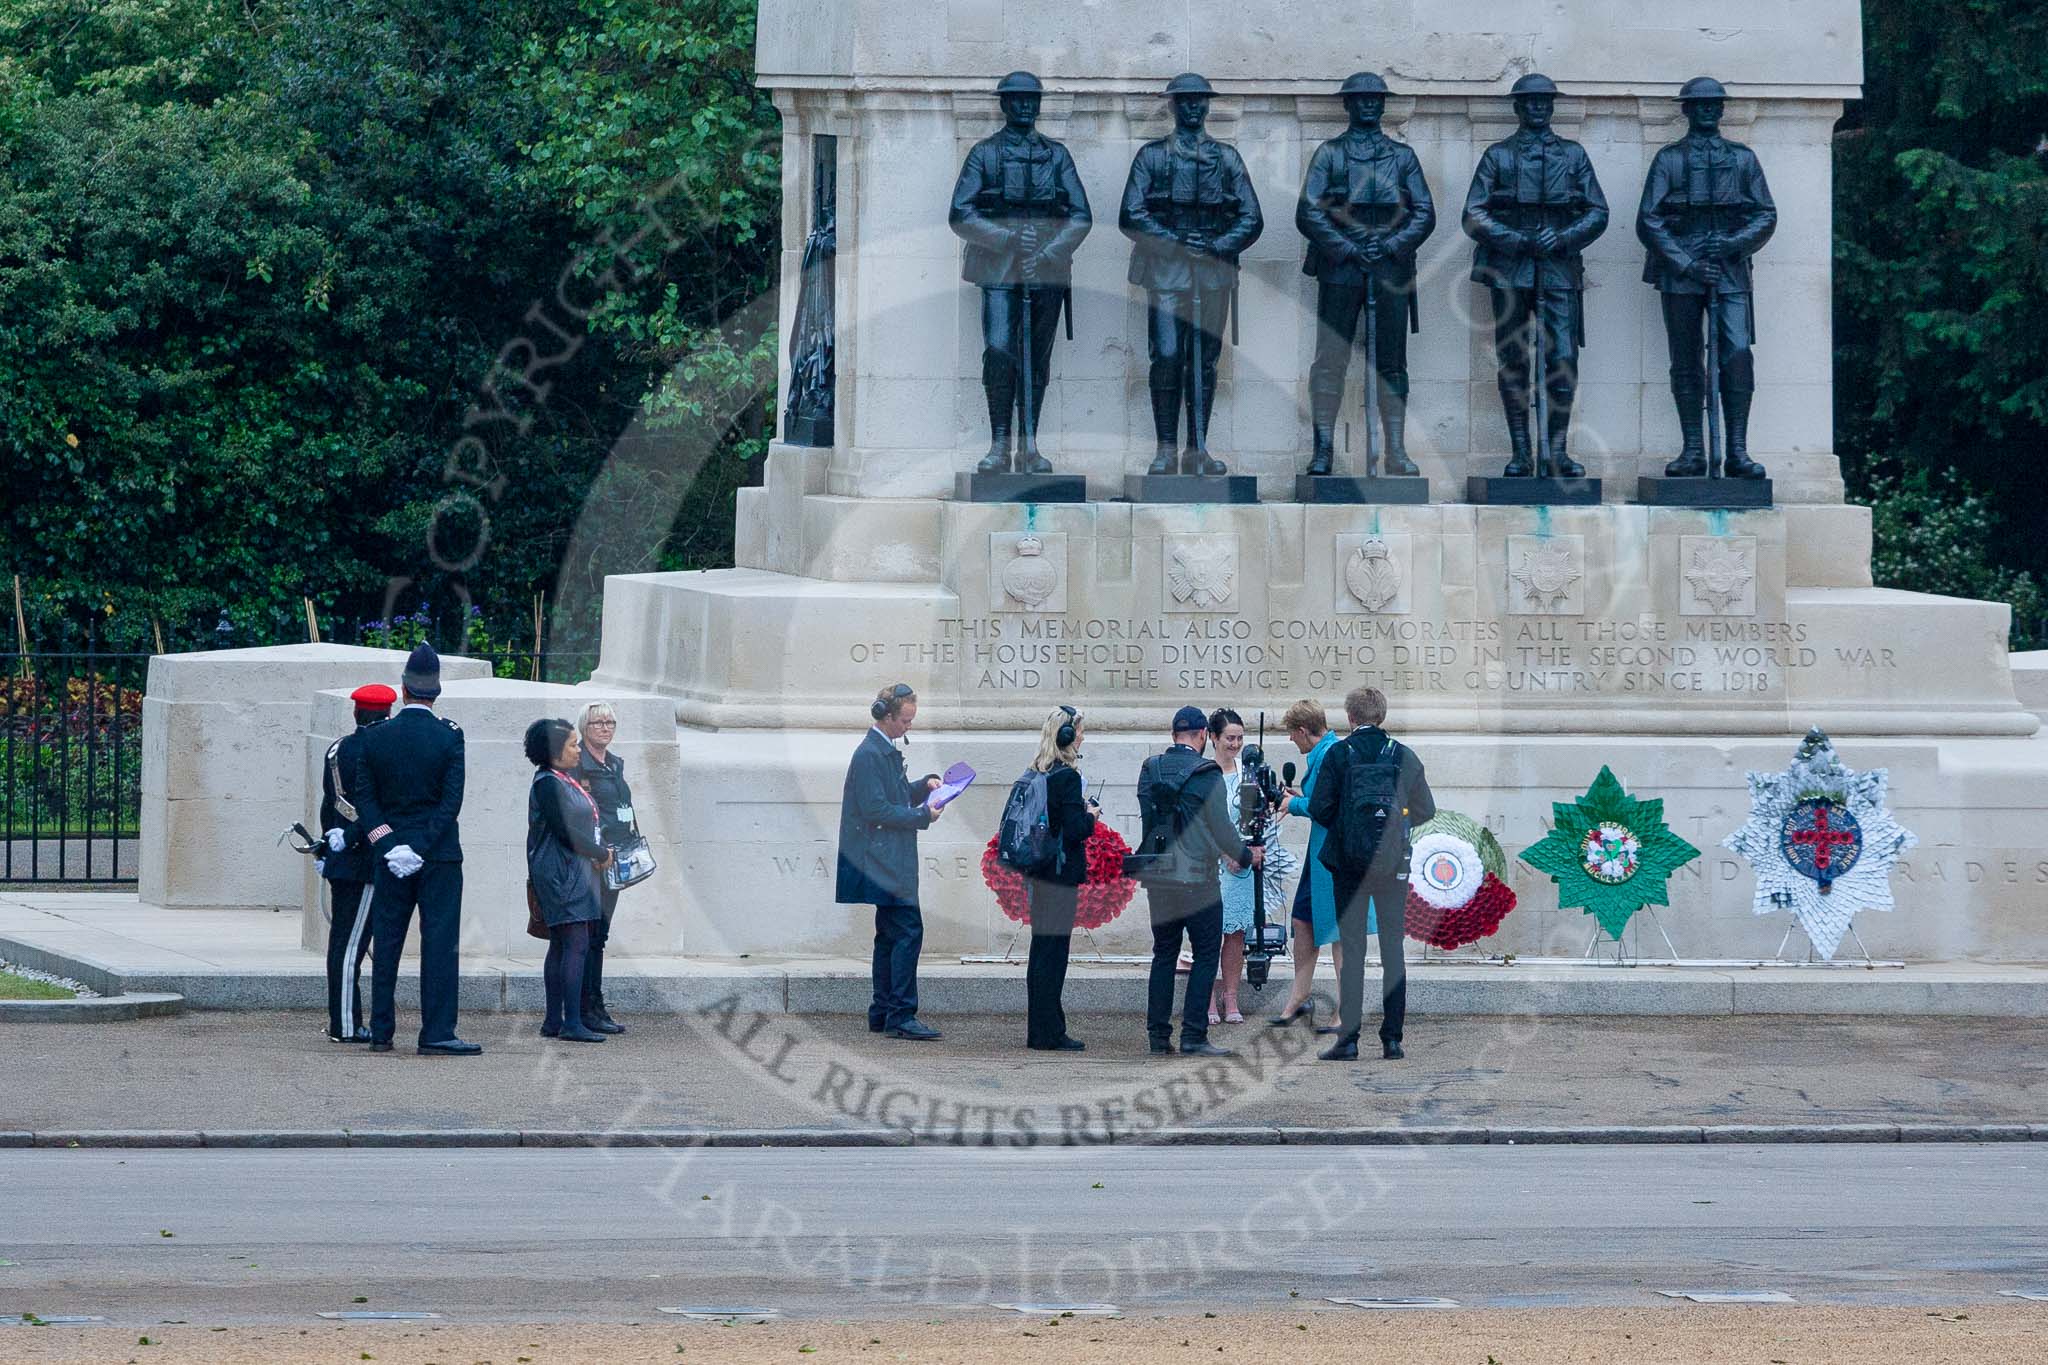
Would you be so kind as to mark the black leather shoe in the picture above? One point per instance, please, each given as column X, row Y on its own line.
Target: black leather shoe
column 1345, row 1049
column 450, row 1047
column 1392, row 1052
column 914, row 1031
column 599, row 1019
column 361, row 1035
column 874, row 1027
column 575, row 1035
column 1205, row 1048
column 1061, row 1045
column 1161, row 1048
column 1327, row 1029
column 376, row 1046
column 550, row 1030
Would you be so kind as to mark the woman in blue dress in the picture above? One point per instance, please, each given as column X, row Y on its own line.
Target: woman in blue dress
column 1315, row 899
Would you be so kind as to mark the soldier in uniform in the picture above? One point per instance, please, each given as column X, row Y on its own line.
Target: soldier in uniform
column 1534, row 207
column 1189, row 211
column 408, row 794
column 1365, row 210
column 1705, row 211
column 1020, row 208
column 347, row 866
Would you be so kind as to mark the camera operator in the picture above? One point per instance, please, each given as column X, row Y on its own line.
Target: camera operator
column 1188, row 827
column 1370, row 789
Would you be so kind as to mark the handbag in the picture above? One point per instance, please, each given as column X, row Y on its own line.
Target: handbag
column 536, row 927
column 632, row 863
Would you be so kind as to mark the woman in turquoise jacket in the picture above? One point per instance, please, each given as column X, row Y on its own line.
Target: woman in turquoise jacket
column 1315, row 896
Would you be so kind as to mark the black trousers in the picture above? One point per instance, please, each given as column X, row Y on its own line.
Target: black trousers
column 1197, row 913
column 1387, row 900
column 1002, row 316
column 1339, row 310
column 593, row 962
column 436, row 892
column 1557, row 308
column 1733, row 333
column 1052, row 937
column 899, row 938
column 1172, row 334
column 348, row 942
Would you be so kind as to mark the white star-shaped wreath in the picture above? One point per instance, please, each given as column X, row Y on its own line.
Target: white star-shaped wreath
column 1822, row 841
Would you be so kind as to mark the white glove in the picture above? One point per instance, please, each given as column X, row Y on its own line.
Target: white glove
column 319, row 867
column 337, row 839
column 403, row 862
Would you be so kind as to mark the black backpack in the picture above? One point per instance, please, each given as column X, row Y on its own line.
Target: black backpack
column 1367, row 811
column 1163, row 857
column 1024, row 841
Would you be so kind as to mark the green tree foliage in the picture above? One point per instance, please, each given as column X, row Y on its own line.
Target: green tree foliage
column 264, row 266
column 1941, row 263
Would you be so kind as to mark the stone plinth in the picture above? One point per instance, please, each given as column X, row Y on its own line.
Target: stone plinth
column 906, row 90
column 223, row 734
column 494, row 714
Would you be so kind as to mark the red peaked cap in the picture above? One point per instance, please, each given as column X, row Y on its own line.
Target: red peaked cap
column 373, row 695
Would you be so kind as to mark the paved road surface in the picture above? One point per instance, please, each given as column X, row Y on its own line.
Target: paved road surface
column 612, row 1236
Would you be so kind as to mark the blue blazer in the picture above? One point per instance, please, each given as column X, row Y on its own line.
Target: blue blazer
column 408, row 785
column 879, row 817
column 1322, row 887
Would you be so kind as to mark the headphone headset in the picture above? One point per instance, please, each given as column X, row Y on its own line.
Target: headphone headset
column 1064, row 737
column 886, row 702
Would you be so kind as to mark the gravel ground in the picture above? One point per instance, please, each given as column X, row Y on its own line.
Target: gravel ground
column 1965, row 1335
column 212, row 1071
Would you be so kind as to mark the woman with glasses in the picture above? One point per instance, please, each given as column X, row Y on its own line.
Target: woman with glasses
column 603, row 774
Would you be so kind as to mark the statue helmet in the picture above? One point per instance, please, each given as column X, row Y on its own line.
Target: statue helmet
column 1363, row 83
column 1535, row 83
column 1020, row 83
column 1702, row 88
column 1188, row 83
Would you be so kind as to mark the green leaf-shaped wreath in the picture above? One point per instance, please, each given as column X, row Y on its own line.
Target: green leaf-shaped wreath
column 1609, row 853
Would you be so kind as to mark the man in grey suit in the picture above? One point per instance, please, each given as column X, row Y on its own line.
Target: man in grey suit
column 880, row 813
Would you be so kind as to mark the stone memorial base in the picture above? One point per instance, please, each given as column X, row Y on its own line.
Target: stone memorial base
column 1495, row 491
column 1355, row 489
column 1657, row 490
column 970, row 486
column 1186, row 488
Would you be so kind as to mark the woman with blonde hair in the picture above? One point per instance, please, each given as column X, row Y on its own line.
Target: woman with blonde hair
column 1070, row 819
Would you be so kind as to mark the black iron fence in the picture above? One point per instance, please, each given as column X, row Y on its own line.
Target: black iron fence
column 70, row 766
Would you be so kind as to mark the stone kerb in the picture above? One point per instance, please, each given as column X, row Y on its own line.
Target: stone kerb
column 494, row 714
column 223, row 733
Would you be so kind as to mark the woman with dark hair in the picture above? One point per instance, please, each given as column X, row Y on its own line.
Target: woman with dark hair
column 563, row 855
column 1226, row 728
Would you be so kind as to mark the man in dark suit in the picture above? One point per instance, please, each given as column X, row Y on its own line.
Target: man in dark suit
column 408, row 795
column 1370, row 789
column 347, row 867
column 1189, row 822
column 880, row 814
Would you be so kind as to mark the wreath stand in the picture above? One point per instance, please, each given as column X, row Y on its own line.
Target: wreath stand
column 1626, row 955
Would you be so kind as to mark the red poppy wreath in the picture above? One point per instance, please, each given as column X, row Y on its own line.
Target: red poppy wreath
column 1102, row 897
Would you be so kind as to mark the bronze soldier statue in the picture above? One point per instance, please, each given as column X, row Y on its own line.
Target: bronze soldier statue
column 1189, row 211
column 1021, row 209
column 1365, row 210
column 1534, row 206
column 1705, row 211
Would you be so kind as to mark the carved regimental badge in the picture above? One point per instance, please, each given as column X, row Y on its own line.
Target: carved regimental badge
column 1030, row 578
column 1721, row 573
column 1201, row 574
column 1545, row 573
column 1373, row 576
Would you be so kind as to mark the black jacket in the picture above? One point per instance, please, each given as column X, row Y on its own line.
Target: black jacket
column 408, row 785
column 562, row 850
column 353, row 863
column 1362, row 747
column 1358, row 185
column 606, row 782
column 1068, row 820
column 1176, row 188
column 1525, row 183
column 880, row 814
column 1703, row 195
column 1006, row 181
column 1208, row 826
